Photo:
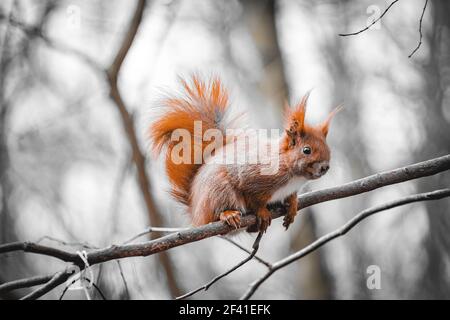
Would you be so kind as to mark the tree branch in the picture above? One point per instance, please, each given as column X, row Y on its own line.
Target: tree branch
column 185, row 236
column 112, row 73
column 41, row 249
column 256, row 257
column 224, row 274
column 36, row 32
column 381, row 16
column 138, row 157
column 24, row 283
column 420, row 29
column 370, row 25
column 57, row 279
column 418, row 170
column 434, row 195
column 153, row 229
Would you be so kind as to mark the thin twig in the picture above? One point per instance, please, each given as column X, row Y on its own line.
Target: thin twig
column 125, row 284
column 65, row 243
column 220, row 276
column 370, row 25
column 256, row 257
column 96, row 287
column 154, row 229
column 434, row 195
column 36, row 32
column 420, row 29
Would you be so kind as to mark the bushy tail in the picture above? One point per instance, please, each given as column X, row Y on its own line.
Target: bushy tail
column 206, row 102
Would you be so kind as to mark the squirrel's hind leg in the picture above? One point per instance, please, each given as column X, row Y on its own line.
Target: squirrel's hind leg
column 263, row 220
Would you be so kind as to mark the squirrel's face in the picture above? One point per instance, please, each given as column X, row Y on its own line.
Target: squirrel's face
column 311, row 155
column 306, row 146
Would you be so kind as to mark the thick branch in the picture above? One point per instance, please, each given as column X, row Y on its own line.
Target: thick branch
column 418, row 170
column 435, row 195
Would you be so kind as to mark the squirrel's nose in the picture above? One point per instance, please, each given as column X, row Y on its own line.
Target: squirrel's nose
column 324, row 168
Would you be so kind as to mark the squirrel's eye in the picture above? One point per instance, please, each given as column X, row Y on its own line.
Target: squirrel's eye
column 306, row 150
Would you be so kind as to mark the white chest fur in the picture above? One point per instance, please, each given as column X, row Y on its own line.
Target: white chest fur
column 295, row 184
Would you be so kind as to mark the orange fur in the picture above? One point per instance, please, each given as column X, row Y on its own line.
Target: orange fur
column 201, row 102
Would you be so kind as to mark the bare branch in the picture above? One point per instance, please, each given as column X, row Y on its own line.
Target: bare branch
column 125, row 283
column 24, row 283
column 84, row 245
column 220, row 276
column 127, row 42
column 138, row 157
column 87, row 279
column 434, row 195
column 381, row 16
column 36, row 32
column 420, row 29
column 56, row 280
column 112, row 73
column 41, row 249
column 127, row 119
column 414, row 171
column 153, row 229
column 96, row 256
column 256, row 257
column 370, row 25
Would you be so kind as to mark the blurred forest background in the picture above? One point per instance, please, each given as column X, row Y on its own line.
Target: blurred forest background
column 68, row 169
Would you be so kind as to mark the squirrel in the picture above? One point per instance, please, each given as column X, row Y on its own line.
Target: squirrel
column 217, row 191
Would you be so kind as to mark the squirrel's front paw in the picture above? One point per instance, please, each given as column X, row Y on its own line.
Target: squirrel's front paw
column 290, row 216
column 291, row 208
column 287, row 220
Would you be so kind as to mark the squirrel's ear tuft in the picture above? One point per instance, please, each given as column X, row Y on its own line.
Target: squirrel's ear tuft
column 296, row 116
column 326, row 124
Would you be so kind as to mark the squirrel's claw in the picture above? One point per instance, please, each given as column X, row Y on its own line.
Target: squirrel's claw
column 232, row 218
column 287, row 220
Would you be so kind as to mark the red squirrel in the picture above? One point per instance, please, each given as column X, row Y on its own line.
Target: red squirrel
column 217, row 191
